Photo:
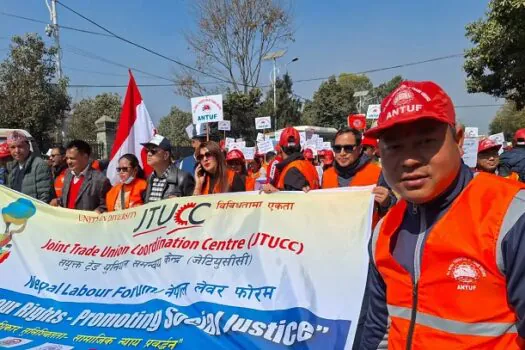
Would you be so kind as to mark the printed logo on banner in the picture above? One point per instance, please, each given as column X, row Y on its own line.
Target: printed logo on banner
column 12, row 342
column 51, row 346
column 186, row 216
column 15, row 216
column 466, row 272
column 206, row 109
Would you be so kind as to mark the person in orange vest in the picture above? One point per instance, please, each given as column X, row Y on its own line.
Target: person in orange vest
column 58, row 168
column 272, row 174
column 212, row 174
column 296, row 173
column 488, row 160
column 447, row 261
column 326, row 158
column 370, row 148
column 129, row 192
column 308, row 155
column 237, row 163
column 353, row 168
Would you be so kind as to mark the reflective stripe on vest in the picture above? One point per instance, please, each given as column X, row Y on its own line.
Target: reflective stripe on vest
column 486, row 329
column 461, row 293
column 515, row 210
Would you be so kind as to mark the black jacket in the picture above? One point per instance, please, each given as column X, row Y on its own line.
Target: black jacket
column 179, row 184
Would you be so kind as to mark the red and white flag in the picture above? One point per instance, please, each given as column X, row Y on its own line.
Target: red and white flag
column 134, row 127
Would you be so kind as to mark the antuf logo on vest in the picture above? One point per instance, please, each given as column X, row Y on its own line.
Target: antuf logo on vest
column 466, row 272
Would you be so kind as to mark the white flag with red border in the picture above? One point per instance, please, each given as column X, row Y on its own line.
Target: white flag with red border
column 135, row 127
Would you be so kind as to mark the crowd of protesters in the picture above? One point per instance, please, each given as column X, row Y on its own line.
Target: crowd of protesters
column 431, row 211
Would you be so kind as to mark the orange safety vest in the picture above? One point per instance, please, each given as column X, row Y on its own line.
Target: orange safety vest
column 59, row 183
column 368, row 175
column 206, row 190
column 136, row 188
column 250, row 183
column 460, row 299
column 306, row 168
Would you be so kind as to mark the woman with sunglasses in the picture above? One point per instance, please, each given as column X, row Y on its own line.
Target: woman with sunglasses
column 212, row 174
column 128, row 193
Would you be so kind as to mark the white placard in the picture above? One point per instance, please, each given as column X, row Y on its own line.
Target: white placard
column 470, row 149
column 225, row 125
column 327, row 146
column 249, row 153
column 265, row 146
column 239, row 140
column 471, row 132
column 314, row 137
column 238, row 145
column 228, row 142
column 499, row 138
column 206, row 109
column 373, row 111
column 260, row 137
column 201, row 129
column 278, row 136
column 320, row 143
column 263, row 123
column 189, row 131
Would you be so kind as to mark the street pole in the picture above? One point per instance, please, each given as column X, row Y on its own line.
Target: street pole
column 275, row 94
column 54, row 31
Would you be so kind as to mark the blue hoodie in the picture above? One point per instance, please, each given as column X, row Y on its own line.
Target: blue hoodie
column 513, row 247
column 514, row 160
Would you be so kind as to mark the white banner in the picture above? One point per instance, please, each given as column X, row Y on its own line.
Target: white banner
column 373, row 111
column 233, row 271
column 263, row 123
column 224, row 125
column 470, row 149
column 207, row 109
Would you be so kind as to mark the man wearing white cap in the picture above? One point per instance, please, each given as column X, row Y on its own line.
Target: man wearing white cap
column 167, row 180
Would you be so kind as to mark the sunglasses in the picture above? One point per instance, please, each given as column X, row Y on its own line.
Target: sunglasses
column 153, row 151
column 347, row 148
column 123, row 170
column 205, row 155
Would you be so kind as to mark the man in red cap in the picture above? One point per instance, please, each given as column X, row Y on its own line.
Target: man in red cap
column 488, row 160
column 447, row 261
column 370, row 148
column 296, row 173
column 514, row 159
column 308, row 154
column 326, row 158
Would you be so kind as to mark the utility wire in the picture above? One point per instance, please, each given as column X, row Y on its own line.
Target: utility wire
column 60, row 26
column 145, row 48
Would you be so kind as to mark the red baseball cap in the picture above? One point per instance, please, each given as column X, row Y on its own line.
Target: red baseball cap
column 4, row 150
column 412, row 101
column 487, row 144
column 519, row 137
column 368, row 141
column 328, row 158
column 235, row 154
column 308, row 154
column 290, row 137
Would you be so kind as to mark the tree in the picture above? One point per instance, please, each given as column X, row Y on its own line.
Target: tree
column 496, row 63
column 242, row 109
column 288, row 107
column 81, row 125
column 356, row 82
column 383, row 90
column 508, row 120
column 331, row 104
column 231, row 38
column 28, row 97
column 173, row 126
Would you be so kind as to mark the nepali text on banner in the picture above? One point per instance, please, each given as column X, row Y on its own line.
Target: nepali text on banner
column 233, row 271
